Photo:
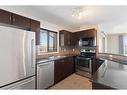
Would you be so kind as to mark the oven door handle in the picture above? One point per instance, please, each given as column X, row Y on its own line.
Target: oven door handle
column 90, row 65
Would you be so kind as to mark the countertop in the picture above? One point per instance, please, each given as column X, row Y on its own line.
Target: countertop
column 112, row 74
column 43, row 60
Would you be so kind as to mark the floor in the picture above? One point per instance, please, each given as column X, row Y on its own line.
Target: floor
column 74, row 81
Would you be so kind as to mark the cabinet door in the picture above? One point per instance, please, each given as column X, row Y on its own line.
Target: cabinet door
column 58, row 71
column 91, row 33
column 97, row 86
column 5, row 17
column 68, row 38
column 71, row 65
column 69, row 35
column 65, row 38
column 68, row 66
column 61, row 39
column 64, row 41
column 21, row 21
column 63, row 68
column 35, row 27
column 71, row 38
column 76, row 38
column 96, row 63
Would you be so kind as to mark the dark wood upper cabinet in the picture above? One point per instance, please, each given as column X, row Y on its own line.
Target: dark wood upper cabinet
column 18, row 21
column 82, row 34
column 5, row 17
column 91, row 33
column 21, row 21
column 35, row 27
column 86, row 33
column 76, row 37
column 61, row 39
column 14, row 20
column 65, row 38
column 70, row 37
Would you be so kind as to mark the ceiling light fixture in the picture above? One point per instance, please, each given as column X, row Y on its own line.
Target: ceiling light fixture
column 78, row 12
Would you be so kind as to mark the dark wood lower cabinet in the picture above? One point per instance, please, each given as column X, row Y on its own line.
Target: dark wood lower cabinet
column 58, row 70
column 96, row 86
column 63, row 68
column 96, row 64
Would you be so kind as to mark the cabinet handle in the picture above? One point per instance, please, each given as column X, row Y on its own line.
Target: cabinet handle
column 10, row 18
column 13, row 19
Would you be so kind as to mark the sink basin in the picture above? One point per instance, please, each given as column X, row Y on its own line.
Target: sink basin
column 56, row 57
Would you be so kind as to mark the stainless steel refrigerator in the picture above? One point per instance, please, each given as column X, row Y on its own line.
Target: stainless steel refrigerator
column 17, row 58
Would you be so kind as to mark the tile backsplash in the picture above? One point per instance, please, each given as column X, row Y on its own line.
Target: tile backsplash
column 67, row 50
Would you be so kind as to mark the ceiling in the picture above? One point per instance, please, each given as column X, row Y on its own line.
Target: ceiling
column 62, row 15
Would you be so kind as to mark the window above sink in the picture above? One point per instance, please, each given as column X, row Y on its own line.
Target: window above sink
column 48, row 41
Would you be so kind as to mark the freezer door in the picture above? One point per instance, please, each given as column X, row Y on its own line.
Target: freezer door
column 24, row 84
column 17, row 54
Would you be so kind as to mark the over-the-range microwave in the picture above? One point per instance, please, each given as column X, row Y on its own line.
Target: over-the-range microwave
column 87, row 41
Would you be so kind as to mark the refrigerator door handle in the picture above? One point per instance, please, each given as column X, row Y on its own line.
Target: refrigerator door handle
column 24, row 55
column 32, row 53
column 24, row 66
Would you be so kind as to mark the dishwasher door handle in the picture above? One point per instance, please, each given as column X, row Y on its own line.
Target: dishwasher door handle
column 47, row 63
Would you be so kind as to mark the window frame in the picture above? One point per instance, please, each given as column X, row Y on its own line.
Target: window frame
column 54, row 50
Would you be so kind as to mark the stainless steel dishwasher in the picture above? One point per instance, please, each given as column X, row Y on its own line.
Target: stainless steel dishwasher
column 45, row 74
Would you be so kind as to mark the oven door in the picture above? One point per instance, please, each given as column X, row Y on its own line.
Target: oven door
column 83, row 64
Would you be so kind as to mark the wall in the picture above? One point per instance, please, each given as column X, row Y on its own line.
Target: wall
column 113, row 28
column 113, row 44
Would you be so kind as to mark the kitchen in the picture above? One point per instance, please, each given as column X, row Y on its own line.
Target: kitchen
column 38, row 54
